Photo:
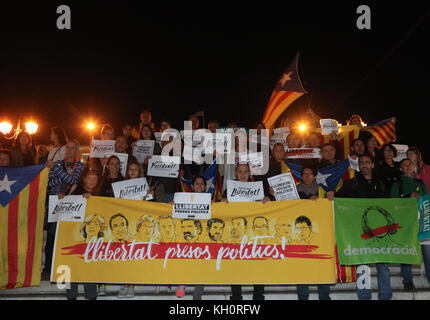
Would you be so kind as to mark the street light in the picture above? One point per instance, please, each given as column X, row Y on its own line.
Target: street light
column 91, row 126
column 5, row 127
column 31, row 127
column 302, row 127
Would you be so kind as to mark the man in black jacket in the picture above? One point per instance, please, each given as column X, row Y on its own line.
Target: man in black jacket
column 366, row 185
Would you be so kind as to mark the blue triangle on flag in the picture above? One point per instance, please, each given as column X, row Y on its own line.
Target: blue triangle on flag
column 14, row 179
column 210, row 176
column 327, row 177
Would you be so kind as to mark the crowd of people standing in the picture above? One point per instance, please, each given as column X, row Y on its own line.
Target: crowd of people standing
column 375, row 174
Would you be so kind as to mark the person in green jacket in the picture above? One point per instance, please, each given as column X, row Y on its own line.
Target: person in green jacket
column 408, row 187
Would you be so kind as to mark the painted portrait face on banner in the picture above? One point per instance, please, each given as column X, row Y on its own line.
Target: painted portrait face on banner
column 283, row 228
column 216, row 229
column 191, row 229
column 167, row 228
column 119, row 228
column 261, row 226
column 145, row 228
column 238, row 229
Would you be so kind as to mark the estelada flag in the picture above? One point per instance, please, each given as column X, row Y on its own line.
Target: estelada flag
column 22, row 211
column 287, row 90
column 213, row 181
column 327, row 177
column 384, row 131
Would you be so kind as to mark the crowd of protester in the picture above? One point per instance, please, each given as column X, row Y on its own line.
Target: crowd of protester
column 375, row 175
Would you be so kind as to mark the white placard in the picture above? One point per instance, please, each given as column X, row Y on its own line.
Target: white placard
column 354, row 164
column 134, row 189
column 158, row 137
column 255, row 161
column 283, row 130
column 167, row 134
column 401, row 151
column 70, row 208
column 279, row 138
column 100, row 148
column 244, row 191
column 192, row 205
column 164, row 166
column 284, row 187
column 143, row 149
column 123, row 158
column 328, row 126
column 219, row 142
column 303, row 153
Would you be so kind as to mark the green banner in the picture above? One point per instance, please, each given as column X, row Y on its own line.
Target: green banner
column 377, row 230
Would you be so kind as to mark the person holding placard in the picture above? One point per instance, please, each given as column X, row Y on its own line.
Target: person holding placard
column 88, row 185
column 168, row 186
column 148, row 134
column 121, row 145
column 275, row 168
column 133, row 171
column 309, row 189
column 198, row 185
column 243, row 174
column 62, row 176
column 112, row 173
column 106, row 133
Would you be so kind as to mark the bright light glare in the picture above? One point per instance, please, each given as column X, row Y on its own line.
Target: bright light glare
column 31, row 127
column 302, row 127
column 5, row 127
column 90, row 126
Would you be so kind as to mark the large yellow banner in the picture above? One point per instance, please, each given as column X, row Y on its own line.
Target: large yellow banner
column 131, row 241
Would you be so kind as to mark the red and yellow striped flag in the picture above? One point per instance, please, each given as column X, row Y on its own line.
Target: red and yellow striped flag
column 22, row 211
column 347, row 134
column 345, row 274
column 384, row 131
column 287, row 90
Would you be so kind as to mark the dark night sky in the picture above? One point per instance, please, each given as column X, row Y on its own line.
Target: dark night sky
column 120, row 57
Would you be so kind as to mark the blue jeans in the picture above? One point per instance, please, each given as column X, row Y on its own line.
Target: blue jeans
column 406, row 271
column 323, row 292
column 384, row 284
column 425, row 249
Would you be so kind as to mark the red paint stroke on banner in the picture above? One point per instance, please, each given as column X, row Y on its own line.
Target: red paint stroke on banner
column 201, row 250
column 381, row 230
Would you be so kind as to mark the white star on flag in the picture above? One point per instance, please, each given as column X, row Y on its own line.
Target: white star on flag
column 210, row 184
column 6, row 183
column 286, row 77
column 321, row 178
